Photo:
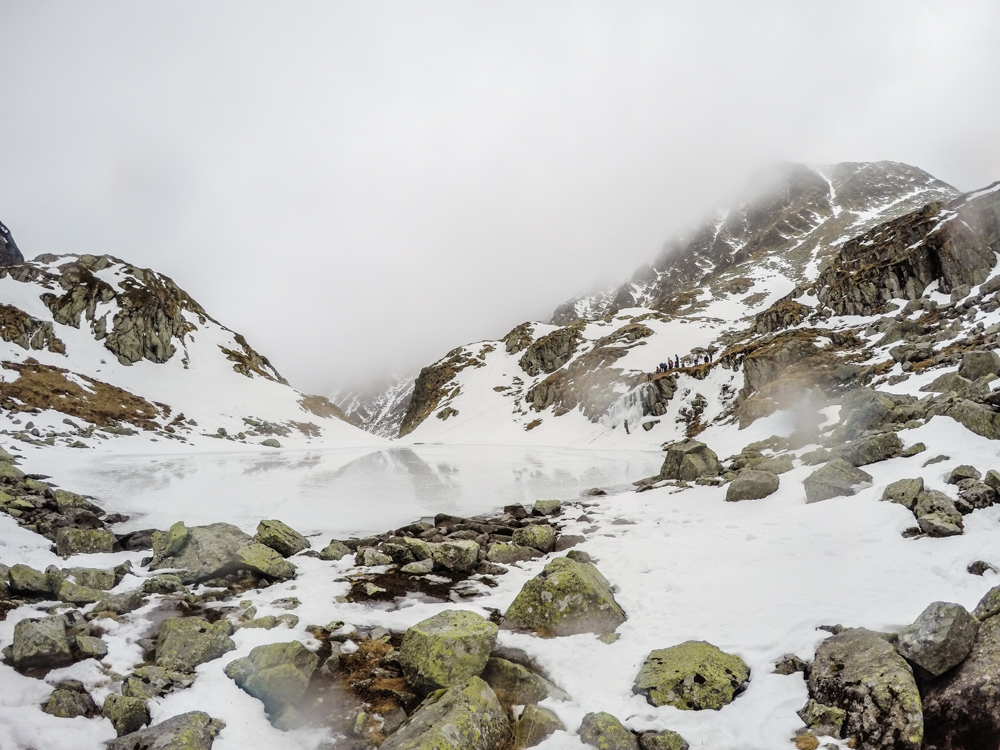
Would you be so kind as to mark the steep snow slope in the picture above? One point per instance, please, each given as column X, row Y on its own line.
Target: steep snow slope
column 755, row 318
column 95, row 349
column 378, row 407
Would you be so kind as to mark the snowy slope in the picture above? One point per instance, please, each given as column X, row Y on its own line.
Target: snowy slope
column 94, row 349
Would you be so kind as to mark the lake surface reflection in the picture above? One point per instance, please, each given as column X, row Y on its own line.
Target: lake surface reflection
column 344, row 492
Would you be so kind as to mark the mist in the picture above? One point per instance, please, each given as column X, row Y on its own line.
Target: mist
column 360, row 187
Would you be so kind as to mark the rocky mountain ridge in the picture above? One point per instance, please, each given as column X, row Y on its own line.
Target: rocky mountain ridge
column 95, row 348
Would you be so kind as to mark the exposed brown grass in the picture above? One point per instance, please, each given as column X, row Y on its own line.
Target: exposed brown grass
column 42, row 387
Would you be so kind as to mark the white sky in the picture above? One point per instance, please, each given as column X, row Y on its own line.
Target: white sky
column 361, row 186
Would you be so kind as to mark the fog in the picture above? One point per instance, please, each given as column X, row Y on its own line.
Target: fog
column 360, row 187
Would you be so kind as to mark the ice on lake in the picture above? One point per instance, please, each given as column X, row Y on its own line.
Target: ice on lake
column 342, row 492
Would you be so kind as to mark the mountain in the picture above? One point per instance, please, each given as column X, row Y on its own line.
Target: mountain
column 378, row 406
column 719, row 291
column 94, row 348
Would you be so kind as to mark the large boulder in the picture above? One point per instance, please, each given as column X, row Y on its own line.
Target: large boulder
column 605, row 732
column 861, row 673
column 264, row 561
column 751, row 485
column 871, row 449
column 977, row 365
column 835, row 479
column 937, row 515
column 939, row 638
column 281, row 537
column 191, row 731
column 977, row 418
column 539, row 536
column 962, row 707
column 865, row 409
column 186, row 642
column 446, row 650
column 277, row 674
column 42, row 644
column 126, row 714
column 69, row 700
column 465, row 716
column 508, row 553
column 534, row 725
column 566, row 598
column 692, row 676
column 688, row 460
column 515, row 685
column 461, row 555
column 83, row 541
column 29, row 582
column 988, row 606
column 200, row 552
column 904, row 492
column 153, row 682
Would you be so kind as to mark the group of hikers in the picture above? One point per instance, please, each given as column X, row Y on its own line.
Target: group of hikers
column 691, row 359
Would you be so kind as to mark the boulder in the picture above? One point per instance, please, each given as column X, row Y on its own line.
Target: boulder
column 202, row 553
column 515, row 685
column 93, row 578
column 954, row 383
column 688, row 460
column 534, row 725
column 540, row 536
column 371, row 557
column 163, row 584
column 460, row 556
column 508, row 553
column 466, row 716
column 264, row 561
column 277, row 674
column 977, row 365
column 692, row 676
column 41, row 644
column 90, row 647
column 988, row 606
column 547, row 507
column 126, row 714
column 962, row 707
column 69, row 700
column 939, row 638
column 153, row 682
column 83, row 541
column 864, row 409
column 665, row 740
column 191, row 731
column 904, row 492
column 334, row 551
column 446, row 650
column 605, row 732
column 960, row 473
column 751, row 484
column 772, row 464
column 72, row 593
column 834, row 479
column 975, row 495
column 418, row 568
column 280, row 537
column 186, row 642
column 823, row 719
column 871, row 449
column 28, row 581
column 977, row 418
column 121, row 604
column 938, row 513
column 938, row 525
column 566, row 598
column 860, row 672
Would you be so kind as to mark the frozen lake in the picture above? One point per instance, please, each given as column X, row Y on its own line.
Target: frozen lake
column 339, row 492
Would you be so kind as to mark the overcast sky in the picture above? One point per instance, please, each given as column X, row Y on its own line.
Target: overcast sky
column 361, row 186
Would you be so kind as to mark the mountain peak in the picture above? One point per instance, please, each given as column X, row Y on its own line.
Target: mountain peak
column 9, row 254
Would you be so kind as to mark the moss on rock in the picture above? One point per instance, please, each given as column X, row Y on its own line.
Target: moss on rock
column 446, row 650
column 693, row 676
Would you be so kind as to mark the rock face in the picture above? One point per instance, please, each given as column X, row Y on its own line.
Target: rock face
column 688, row 460
column 191, row 731
column 860, row 672
column 962, row 708
column 186, row 642
column 605, row 732
column 940, row 638
column 446, row 650
column 834, row 479
column 201, row 552
column 277, row 674
column 946, row 242
column 280, row 537
column 9, row 254
column 692, row 676
column 550, row 352
column 466, row 716
column 752, row 485
column 566, row 598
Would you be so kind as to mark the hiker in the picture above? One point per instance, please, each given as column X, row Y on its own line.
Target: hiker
column 626, row 428
column 677, row 361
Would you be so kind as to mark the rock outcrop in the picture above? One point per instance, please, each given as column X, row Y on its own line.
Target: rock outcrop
column 9, row 254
